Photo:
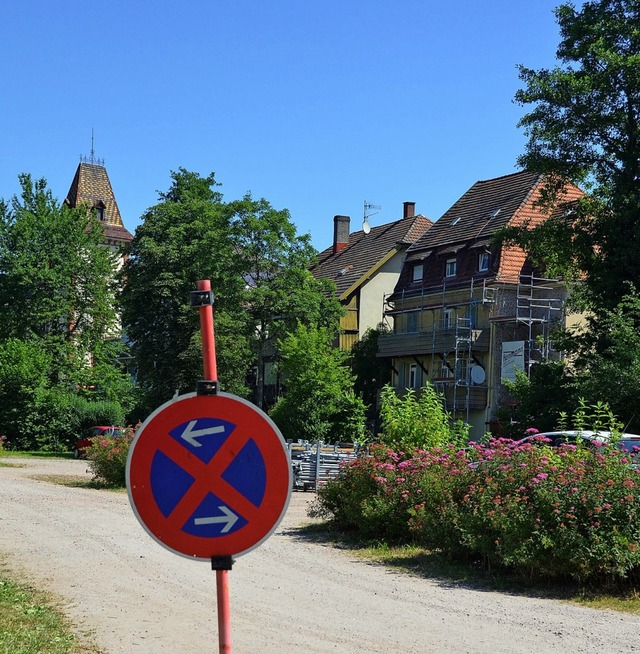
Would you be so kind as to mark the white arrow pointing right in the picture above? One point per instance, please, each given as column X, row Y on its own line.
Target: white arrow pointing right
column 229, row 517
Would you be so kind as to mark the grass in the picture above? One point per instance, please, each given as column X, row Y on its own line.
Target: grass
column 415, row 560
column 78, row 482
column 31, row 622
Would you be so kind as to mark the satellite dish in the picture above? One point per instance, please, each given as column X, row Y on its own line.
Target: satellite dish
column 477, row 374
column 366, row 227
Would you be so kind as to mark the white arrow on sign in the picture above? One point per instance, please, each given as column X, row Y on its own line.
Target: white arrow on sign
column 190, row 434
column 229, row 517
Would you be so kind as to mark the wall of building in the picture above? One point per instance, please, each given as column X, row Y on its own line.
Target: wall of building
column 372, row 293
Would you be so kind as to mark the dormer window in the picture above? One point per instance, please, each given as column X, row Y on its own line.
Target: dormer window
column 483, row 261
column 99, row 209
column 450, row 268
column 417, row 272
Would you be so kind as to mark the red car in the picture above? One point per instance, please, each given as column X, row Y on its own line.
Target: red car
column 84, row 442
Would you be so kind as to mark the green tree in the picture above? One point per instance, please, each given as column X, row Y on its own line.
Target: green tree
column 24, row 369
column 585, row 127
column 182, row 239
column 280, row 291
column 56, row 278
column 541, row 398
column 607, row 360
column 371, row 372
column 319, row 403
column 257, row 265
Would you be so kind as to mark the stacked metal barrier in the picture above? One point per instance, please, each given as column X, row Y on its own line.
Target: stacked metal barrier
column 315, row 463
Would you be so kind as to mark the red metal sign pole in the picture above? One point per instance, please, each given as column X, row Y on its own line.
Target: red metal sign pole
column 211, row 374
column 208, row 336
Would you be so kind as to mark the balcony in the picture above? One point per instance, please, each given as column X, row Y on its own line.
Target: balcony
column 431, row 342
column 457, row 397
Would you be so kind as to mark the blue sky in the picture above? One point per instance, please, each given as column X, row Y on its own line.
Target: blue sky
column 318, row 106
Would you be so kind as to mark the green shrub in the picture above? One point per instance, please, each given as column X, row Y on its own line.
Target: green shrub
column 108, row 458
column 418, row 420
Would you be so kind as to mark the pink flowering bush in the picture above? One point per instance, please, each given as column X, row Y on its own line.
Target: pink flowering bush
column 541, row 511
column 108, row 458
column 367, row 495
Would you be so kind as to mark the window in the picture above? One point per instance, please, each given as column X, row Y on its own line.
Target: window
column 417, row 272
column 412, row 321
column 445, row 370
column 447, row 318
column 100, row 213
column 450, row 268
column 483, row 261
column 414, row 376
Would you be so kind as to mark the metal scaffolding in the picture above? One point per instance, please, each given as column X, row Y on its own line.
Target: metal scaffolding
column 449, row 312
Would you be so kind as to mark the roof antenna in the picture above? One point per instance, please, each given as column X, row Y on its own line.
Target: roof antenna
column 93, row 158
column 366, row 227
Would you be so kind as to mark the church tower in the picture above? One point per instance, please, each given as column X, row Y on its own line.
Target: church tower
column 91, row 187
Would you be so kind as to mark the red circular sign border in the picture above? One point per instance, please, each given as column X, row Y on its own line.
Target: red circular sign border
column 269, row 441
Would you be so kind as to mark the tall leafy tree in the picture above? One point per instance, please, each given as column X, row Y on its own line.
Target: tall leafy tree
column 585, row 127
column 319, row 403
column 371, row 372
column 56, row 278
column 185, row 237
column 258, row 267
column 280, row 292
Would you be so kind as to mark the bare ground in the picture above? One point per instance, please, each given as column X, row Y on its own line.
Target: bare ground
column 289, row 595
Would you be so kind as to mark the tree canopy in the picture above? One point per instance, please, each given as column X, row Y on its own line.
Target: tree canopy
column 56, row 277
column 58, row 320
column 258, row 267
column 584, row 127
column 319, row 403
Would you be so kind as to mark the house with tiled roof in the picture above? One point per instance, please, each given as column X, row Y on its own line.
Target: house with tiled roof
column 467, row 312
column 91, row 187
column 365, row 266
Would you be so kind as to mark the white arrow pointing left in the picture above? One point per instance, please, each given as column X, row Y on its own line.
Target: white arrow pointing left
column 229, row 517
column 190, row 434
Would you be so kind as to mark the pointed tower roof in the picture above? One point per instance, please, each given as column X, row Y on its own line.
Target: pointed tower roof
column 91, row 186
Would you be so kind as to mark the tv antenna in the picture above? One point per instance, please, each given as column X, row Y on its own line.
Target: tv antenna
column 368, row 212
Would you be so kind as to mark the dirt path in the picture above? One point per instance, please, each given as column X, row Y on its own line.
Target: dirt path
column 287, row 596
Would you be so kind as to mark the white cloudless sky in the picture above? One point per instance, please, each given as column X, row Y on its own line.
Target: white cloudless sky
column 317, row 106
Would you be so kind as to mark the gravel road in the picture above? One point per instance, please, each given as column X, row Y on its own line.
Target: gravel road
column 287, row 596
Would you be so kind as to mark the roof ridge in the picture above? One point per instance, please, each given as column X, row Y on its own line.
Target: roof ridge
column 501, row 177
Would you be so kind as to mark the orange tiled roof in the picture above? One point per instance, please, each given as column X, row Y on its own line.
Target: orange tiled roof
column 468, row 228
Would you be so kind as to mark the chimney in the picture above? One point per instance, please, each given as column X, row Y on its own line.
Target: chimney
column 340, row 233
column 409, row 209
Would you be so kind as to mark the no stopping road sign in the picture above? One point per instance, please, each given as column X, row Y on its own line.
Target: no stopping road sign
column 209, row 476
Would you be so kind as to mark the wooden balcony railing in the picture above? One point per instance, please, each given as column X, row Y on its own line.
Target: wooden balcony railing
column 431, row 342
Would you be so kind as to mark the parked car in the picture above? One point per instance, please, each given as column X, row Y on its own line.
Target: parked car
column 590, row 438
column 84, row 442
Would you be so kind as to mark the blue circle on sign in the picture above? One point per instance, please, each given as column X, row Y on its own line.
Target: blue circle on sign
column 203, row 437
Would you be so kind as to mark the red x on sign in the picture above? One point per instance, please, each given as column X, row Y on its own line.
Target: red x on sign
column 209, row 475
